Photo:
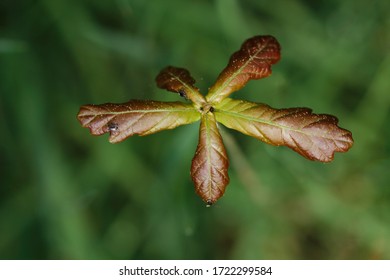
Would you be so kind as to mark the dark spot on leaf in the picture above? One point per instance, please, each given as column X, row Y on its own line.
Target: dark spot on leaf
column 182, row 93
column 112, row 127
column 211, row 109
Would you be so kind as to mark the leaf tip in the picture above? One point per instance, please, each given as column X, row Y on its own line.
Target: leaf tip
column 179, row 80
column 251, row 62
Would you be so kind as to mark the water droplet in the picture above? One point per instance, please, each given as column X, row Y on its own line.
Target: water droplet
column 209, row 203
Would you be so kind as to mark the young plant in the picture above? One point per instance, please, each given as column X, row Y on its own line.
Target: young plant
column 314, row 136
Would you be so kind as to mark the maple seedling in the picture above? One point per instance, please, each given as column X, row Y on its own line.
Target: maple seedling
column 314, row 136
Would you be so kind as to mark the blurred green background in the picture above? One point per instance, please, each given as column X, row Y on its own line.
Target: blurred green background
column 67, row 195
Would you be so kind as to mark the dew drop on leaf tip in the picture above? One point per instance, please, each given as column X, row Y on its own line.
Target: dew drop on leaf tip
column 209, row 203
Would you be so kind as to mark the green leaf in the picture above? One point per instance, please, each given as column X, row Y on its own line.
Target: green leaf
column 209, row 169
column 135, row 117
column 316, row 137
column 179, row 80
column 252, row 61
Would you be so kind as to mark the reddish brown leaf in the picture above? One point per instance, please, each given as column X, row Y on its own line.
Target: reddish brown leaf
column 252, row 61
column 180, row 81
column 135, row 117
column 316, row 137
column 209, row 169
